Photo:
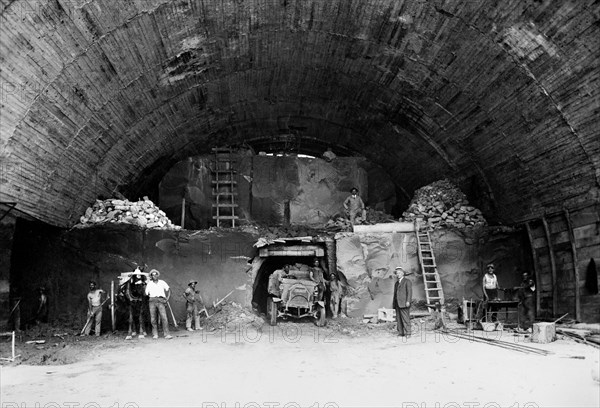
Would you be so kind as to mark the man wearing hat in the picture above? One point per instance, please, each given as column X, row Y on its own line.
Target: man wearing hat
column 401, row 302
column 159, row 292
column 191, row 306
column 354, row 206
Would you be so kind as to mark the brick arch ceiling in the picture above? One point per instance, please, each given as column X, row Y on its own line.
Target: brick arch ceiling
column 100, row 95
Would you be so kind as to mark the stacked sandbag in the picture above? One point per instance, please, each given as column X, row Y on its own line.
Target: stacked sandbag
column 442, row 204
column 142, row 213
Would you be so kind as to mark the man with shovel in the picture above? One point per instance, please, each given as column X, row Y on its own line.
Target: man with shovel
column 159, row 292
column 95, row 303
column 191, row 294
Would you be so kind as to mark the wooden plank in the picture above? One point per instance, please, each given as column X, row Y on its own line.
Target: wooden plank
column 575, row 269
column 552, row 266
column 536, row 268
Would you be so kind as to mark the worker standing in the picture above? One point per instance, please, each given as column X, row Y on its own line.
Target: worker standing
column 355, row 206
column 94, row 312
column 41, row 315
column 317, row 276
column 401, row 302
column 159, row 292
column 490, row 290
column 527, row 301
column 191, row 306
column 335, row 294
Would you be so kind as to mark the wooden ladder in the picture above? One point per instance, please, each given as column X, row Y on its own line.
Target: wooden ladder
column 431, row 278
column 224, row 187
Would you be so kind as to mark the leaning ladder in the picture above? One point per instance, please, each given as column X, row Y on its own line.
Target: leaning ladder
column 224, row 187
column 431, row 278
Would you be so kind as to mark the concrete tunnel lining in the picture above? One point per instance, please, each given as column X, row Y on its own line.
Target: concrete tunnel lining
column 474, row 83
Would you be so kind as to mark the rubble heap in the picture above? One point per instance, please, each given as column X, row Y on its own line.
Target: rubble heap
column 377, row 217
column 442, row 204
column 142, row 213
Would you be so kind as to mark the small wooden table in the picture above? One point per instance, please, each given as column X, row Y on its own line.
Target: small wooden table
column 511, row 307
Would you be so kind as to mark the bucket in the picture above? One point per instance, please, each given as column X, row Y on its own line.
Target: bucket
column 487, row 326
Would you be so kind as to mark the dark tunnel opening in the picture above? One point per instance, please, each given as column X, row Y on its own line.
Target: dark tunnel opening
column 261, row 282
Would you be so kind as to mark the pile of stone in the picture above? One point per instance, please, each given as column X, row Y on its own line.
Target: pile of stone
column 142, row 213
column 377, row 217
column 338, row 224
column 441, row 205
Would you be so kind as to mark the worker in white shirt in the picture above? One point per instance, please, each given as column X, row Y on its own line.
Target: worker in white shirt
column 159, row 293
column 490, row 289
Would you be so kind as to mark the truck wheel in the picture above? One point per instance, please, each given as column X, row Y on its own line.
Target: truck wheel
column 320, row 316
column 272, row 311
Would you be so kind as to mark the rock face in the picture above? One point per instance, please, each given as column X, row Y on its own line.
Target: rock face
column 367, row 260
column 270, row 190
column 442, row 204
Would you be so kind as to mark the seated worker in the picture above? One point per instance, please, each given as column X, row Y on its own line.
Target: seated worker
column 317, row 276
column 490, row 289
column 355, row 207
column 275, row 280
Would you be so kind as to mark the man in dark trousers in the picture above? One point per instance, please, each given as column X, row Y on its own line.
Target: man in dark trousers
column 401, row 303
column 527, row 300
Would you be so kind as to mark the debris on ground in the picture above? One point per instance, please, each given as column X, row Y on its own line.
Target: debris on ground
column 143, row 213
column 588, row 335
column 232, row 316
column 442, row 204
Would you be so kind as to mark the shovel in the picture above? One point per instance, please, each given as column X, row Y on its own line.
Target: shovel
column 89, row 319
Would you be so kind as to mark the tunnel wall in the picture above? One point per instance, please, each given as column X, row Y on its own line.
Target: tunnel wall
column 368, row 260
column 585, row 227
column 64, row 262
column 7, row 229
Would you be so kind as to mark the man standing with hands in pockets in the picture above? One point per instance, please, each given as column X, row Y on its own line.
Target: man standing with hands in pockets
column 401, row 302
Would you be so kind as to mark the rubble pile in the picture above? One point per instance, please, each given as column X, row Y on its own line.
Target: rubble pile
column 338, row 224
column 442, row 204
column 377, row 217
column 232, row 316
column 143, row 213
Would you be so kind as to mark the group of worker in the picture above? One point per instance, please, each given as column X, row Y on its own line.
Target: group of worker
column 526, row 297
column 158, row 292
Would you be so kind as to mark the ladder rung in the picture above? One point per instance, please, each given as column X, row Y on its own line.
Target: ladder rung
column 225, row 194
column 224, row 171
column 220, row 205
column 226, row 217
column 432, row 289
column 224, row 182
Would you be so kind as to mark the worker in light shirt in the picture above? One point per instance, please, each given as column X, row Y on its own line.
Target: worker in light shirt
column 490, row 289
column 159, row 293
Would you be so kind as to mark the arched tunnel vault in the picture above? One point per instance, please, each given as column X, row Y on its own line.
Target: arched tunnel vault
column 103, row 95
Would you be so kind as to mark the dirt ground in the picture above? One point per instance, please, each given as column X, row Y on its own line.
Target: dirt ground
column 242, row 362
